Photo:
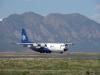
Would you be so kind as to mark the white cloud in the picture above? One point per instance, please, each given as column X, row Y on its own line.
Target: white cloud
column 98, row 6
column 1, row 19
column 96, row 17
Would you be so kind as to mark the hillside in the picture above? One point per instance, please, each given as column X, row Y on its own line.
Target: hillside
column 76, row 28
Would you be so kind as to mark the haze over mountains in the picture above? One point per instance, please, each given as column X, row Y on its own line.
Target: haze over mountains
column 75, row 28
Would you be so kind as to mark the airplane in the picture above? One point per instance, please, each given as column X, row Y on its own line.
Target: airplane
column 43, row 47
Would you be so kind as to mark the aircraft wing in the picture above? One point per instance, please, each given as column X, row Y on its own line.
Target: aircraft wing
column 25, row 43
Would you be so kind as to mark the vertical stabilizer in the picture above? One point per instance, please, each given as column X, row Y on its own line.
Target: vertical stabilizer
column 24, row 37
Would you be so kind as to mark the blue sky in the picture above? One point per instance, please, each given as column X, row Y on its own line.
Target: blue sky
column 89, row 8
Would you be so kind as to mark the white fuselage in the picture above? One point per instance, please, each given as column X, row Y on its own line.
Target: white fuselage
column 53, row 47
column 56, row 47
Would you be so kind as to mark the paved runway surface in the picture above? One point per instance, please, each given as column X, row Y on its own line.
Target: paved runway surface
column 55, row 56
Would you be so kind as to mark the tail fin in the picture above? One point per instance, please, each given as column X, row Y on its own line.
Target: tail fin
column 24, row 37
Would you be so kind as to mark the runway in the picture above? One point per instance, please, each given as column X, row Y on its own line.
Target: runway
column 49, row 56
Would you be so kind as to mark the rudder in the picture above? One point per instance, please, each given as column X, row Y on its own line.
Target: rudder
column 24, row 37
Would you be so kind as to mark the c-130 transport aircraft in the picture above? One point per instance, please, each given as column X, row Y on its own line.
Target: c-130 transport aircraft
column 43, row 47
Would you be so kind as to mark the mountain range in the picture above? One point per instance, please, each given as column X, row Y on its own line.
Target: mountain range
column 82, row 31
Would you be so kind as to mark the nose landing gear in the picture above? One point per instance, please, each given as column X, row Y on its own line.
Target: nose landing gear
column 65, row 49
